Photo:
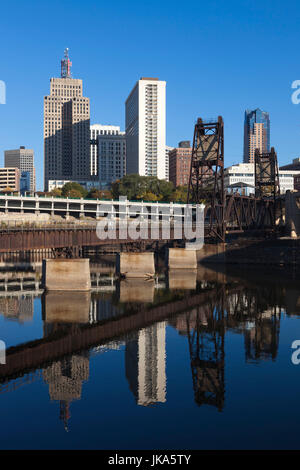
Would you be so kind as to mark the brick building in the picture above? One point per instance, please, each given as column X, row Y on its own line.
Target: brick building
column 180, row 164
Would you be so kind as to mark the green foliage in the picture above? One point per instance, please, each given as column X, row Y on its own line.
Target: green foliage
column 74, row 193
column 142, row 187
column 150, row 197
column 99, row 194
column 56, row 192
column 73, row 189
column 180, row 194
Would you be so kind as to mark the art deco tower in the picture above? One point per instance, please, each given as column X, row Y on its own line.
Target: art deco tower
column 66, row 128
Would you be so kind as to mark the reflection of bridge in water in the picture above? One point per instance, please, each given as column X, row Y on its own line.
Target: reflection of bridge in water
column 61, row 357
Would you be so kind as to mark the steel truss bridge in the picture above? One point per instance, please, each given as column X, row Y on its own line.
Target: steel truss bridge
column 225, row 213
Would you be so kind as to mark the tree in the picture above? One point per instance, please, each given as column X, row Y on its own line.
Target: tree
column 56, row 192
column 150, row 197
column 72, row 188
column 161, row 188
column 180, row 194
column 131, row 186
column 142, row 187
column 99, row 194
column 7, row 190
column 74, row 193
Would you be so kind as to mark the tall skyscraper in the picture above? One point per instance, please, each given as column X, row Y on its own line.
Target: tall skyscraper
column 66, row 129
column 23, row 159
column 145, row 118
column 256, row 133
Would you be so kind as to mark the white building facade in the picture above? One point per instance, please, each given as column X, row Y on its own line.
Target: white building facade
column 145, row 121
column 244, row 173
column 58, row 184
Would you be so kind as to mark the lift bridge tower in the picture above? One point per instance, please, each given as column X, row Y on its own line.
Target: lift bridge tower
column 206, row 184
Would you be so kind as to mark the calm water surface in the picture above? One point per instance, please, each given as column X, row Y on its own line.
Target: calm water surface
column 195, row 361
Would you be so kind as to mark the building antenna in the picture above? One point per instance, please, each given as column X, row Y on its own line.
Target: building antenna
column 66, row 65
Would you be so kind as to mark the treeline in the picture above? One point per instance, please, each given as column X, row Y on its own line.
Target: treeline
column 75, row 190
column 134, row 187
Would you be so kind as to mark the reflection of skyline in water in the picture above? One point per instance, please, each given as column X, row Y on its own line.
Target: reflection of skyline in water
column 249, row 310
column 64, row 379
column 145, row 364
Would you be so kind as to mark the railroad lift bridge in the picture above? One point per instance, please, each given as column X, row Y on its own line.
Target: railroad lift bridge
column 231, row 212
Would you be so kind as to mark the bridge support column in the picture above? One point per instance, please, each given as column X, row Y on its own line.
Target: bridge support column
column 181, row 258
column 135, row 264
column 66, row 274
column 212, row 253
column 292, row 214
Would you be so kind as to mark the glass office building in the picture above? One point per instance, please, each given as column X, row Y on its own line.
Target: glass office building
column 256, row 133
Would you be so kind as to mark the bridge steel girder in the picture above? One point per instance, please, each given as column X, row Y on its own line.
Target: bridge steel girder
column 267, row 185
column 230, row 212
column 206, row 183
column 240, row 212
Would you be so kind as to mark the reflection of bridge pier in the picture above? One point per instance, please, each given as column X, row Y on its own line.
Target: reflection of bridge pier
column 66, row 307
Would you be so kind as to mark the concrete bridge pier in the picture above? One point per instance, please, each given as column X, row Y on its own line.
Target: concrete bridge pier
column 182, row 258
column 135, row 264
column 66, row 274
column 292, row 214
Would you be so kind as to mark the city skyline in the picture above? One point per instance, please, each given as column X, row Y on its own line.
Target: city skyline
column 201, row 93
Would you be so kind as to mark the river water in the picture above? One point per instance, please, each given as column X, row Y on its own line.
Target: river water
column 200, row 360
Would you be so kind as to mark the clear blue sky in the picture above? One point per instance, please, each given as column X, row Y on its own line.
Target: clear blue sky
column 217, row 57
